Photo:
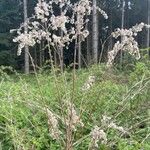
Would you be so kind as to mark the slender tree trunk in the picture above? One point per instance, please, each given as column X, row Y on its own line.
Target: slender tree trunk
column 127, row 14
column 35, row 55
column 111, row 30
column 61, row 55
column 55, row 59
column 79, row 41
column 61, row 59
column 95, row 33
column 122, row 16
column 60, row 51
column 148, row 30
column 79, row 52
column 88, row 54
column 26, row 59
column 110, row 43
column 40, row 55
column 122, row 26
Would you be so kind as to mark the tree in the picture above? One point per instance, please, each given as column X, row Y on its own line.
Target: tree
column 88, row 44
column 95, row 32
column 122, row 26
column 79, row 41
column 26, row 67
column 10, row 17
column 148, row 22
column 61, row 53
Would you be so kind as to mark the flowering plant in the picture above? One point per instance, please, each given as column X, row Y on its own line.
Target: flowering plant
column 46, row 23
column 127, row 42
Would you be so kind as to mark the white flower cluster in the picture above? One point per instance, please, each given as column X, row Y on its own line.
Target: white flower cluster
column 102, row 12
column 127, row 42
column 53, row 125
column 70, row 120
column 108, row 123
column 59, row 22
column 114, row 126
column 73, row 118
column 89, row 83
column 46, row 25
column 83, row 7
column 98, row 135
column 24, row 39
column 42, row 10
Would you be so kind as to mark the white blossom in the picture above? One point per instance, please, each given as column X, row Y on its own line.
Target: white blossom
column 42, row 10
column 108, row 123
column 53, row 125
column 59, row 22
column 24, row 39
column 57, row 40
column 102, row 12
column 127, row 42
column 73, row 118
column 46, row 25
column 119, row 128
column 98, row 135
column 89, row 83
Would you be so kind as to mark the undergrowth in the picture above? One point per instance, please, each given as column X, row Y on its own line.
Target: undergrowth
column 123, row 96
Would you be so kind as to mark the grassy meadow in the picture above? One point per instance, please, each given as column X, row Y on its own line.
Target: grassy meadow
column 122, row 95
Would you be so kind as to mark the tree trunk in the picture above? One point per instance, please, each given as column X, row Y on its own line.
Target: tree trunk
column 88, row 46
column 122, row 16
column 148, row 30
column 111, row 30
column 26, row 59
column 79, row 41
column 61, row 55
column 60, row 51
column 79, row 52
column 40, row 55
column 122, row 26
column 95, row 33
column 35, row 55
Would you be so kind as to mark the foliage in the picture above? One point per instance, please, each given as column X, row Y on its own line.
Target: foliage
column 140, row 70
column 7, row 58
column 9, row 15
column 93, row 108
column 23, row 121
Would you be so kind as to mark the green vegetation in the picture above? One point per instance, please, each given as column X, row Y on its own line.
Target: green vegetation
column 123, row 96
column 62, row 102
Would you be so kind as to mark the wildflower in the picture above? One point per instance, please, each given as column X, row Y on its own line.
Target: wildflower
column 24, row 39
column 105, row 120
column 42, row 10
column 44, row 21
column 108, row 123
column 85, row 33
column 59, row 22
column 89, row 83
column 127, row 42
column 102, row 12
column 98, row 135
column 114, row 126
column 73, row 119
column 53, row 125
